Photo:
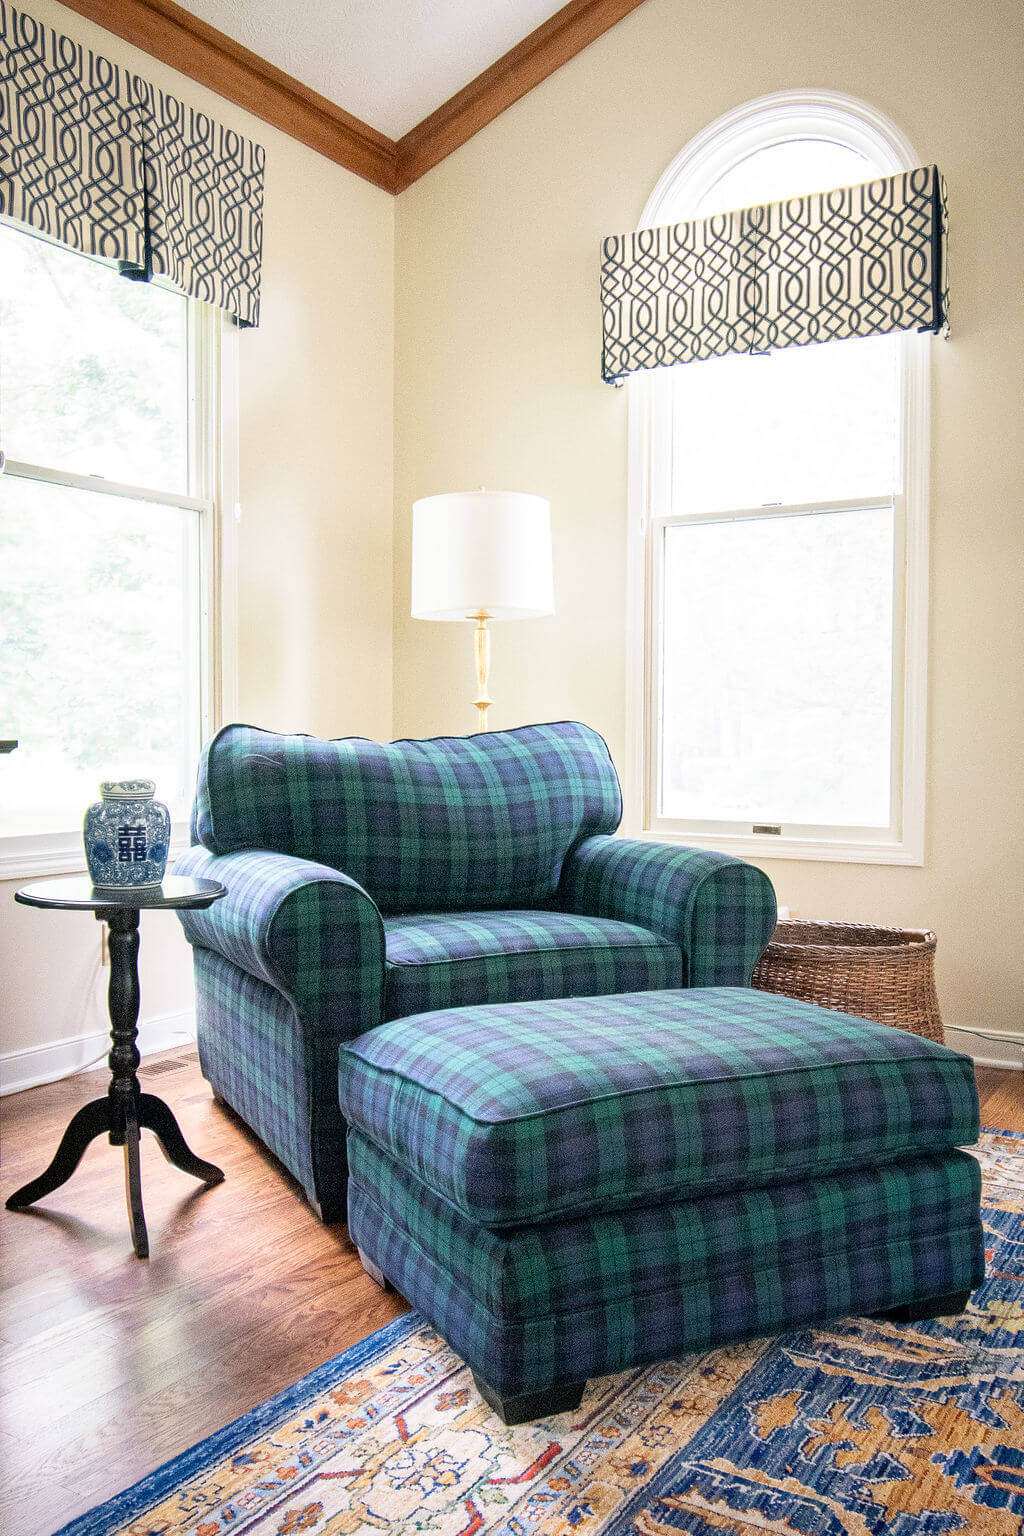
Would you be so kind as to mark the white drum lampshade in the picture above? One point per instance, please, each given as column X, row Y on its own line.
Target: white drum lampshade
column 481, row 555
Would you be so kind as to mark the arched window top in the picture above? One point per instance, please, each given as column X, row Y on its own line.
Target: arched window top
column 774, row 147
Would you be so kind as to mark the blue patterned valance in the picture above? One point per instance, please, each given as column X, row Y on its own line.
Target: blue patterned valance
column 204, row 202
column 102, row 161
column 857, row 261
column 70, row 160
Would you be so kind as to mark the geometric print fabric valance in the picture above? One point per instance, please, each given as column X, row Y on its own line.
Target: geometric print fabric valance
column 204, row 203
column 864, row 260
column 70, row 158
column 102, row 161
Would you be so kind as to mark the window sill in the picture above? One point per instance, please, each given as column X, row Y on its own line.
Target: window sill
column 61, row 856
column 768, row 847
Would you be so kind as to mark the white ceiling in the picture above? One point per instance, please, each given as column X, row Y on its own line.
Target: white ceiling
column 390, row 62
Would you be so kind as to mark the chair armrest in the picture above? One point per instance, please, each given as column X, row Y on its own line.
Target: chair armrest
column 308, row 930
column 720, row 910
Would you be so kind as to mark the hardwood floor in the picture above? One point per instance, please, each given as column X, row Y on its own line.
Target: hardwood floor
column 1002, row 1099
column 112, row 1365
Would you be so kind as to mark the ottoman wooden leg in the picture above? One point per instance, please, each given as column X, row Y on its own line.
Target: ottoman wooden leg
column 527, row 1406
column 374, row 1273
column 934, row 1306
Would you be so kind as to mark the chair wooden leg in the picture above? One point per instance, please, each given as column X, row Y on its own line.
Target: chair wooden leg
column 933, row 1306
column 374, row 1273
column 524, row 1407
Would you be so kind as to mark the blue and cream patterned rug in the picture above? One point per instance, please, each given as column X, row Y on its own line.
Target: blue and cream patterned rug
column 861, row 1428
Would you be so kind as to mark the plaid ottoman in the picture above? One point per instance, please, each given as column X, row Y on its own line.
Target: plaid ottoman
column 569, row 1188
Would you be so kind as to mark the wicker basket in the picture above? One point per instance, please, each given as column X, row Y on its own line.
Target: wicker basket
column 885, row 974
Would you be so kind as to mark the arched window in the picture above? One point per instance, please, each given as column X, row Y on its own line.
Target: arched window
column 778, row 558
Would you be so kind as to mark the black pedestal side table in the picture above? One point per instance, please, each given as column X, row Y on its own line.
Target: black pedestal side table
column 125, row 1109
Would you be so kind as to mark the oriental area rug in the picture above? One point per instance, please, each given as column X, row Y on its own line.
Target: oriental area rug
column 865, row 1427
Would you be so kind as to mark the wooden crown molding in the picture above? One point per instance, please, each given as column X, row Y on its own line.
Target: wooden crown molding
column 168, row 32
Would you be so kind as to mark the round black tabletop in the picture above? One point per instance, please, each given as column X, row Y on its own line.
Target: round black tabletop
column 77, row 893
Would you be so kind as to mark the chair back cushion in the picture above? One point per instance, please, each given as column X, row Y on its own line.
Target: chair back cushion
column 454, row 822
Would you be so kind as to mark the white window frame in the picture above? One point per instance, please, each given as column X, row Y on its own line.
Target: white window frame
column 212, row 372
column 753, row 126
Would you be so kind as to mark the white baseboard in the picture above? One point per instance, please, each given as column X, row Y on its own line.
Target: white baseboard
column 62, row 1058
column 989, row 1047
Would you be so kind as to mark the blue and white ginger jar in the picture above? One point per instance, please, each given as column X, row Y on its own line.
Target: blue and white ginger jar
column 127, row 835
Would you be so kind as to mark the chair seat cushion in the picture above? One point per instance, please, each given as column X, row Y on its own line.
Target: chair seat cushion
column 525, row 1112
column 453, row 960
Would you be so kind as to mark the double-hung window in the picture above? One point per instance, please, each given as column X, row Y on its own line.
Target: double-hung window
column 110, row 416
column 779, row 545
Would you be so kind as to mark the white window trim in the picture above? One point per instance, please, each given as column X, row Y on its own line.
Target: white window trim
column 212, row 340
column 753, row 126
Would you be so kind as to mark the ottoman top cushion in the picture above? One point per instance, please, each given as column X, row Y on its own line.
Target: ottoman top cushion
column 523, row 1112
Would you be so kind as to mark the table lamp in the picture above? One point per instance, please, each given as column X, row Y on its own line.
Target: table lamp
column 481, row 555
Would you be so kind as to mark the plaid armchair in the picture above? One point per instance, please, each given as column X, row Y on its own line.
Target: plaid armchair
column 371, row 881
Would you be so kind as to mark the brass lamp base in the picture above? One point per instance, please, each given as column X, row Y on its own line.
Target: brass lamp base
column 482, row 643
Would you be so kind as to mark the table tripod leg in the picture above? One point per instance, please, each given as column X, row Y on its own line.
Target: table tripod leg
column 155, row 1116
column 92, row 1120
column 133, row 1185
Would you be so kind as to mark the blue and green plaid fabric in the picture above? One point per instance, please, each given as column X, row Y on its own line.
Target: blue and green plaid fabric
column 315, row 839
column 530, row 1111
column 452, row 960
column 295, row 942
column 720, row 910
column 454, row 823
column 579, row 1298
column 308, row 930
column 563, row 1266
column 253, row 1054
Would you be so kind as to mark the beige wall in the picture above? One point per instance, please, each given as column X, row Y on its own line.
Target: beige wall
column 314, row 543
column 497, row 381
